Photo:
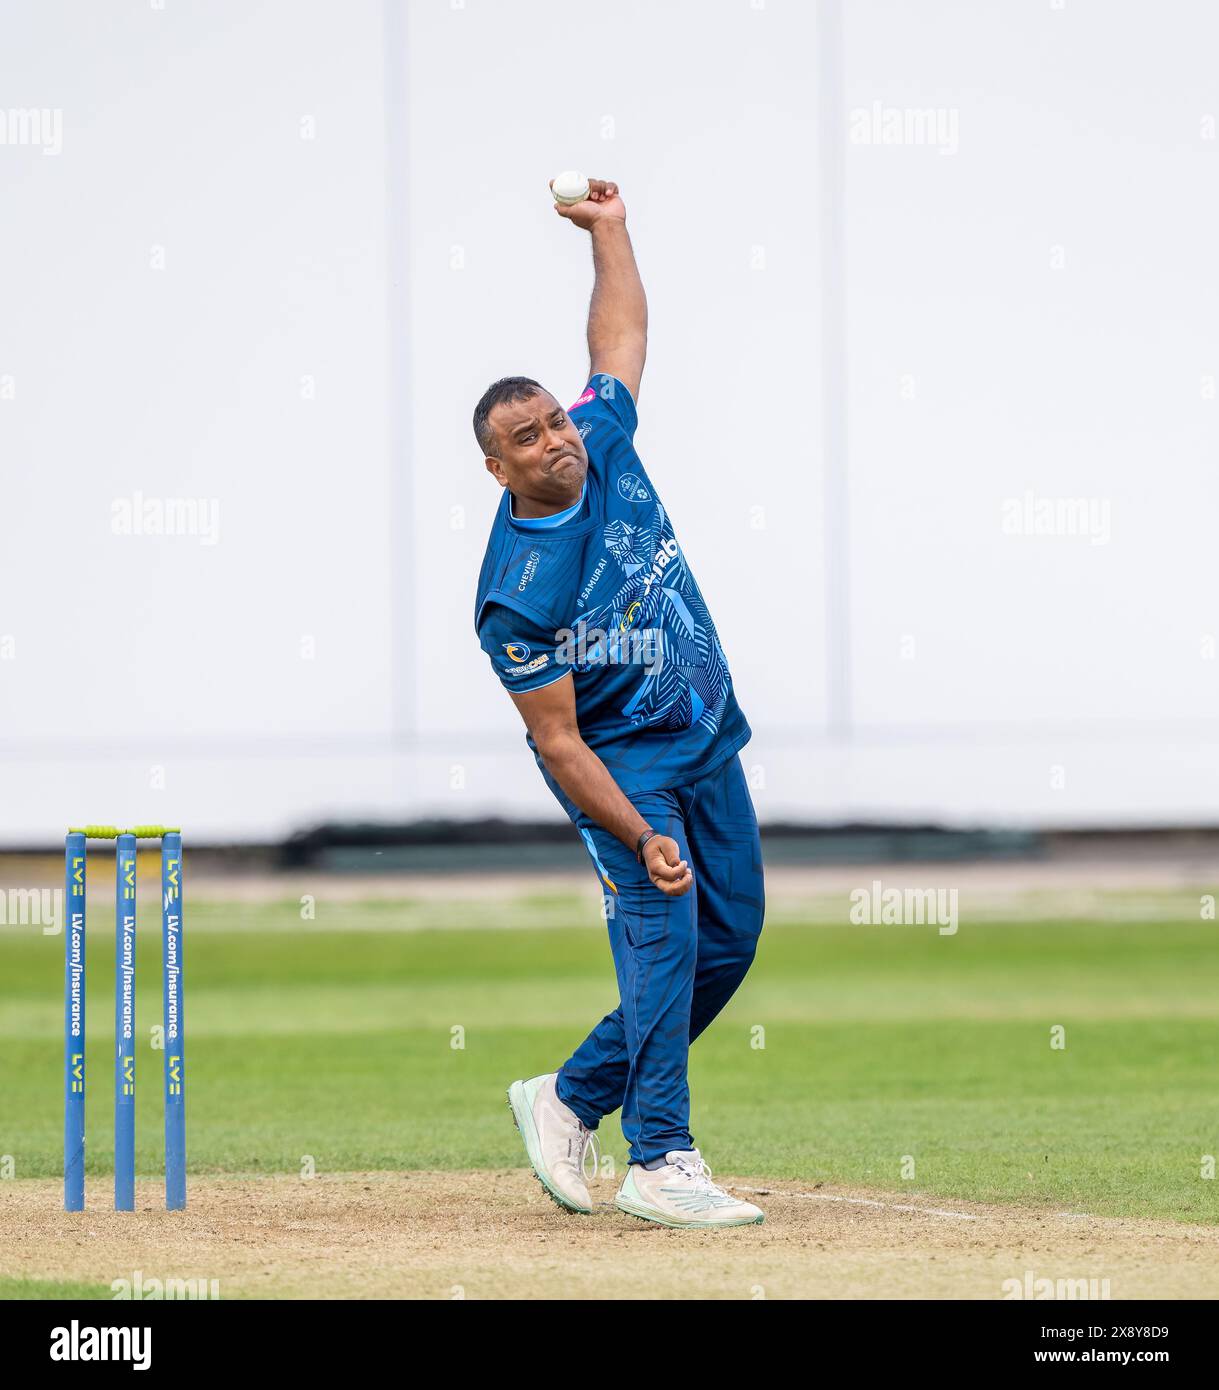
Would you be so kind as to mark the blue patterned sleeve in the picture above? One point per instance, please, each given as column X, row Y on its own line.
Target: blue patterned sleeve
column 523, row 655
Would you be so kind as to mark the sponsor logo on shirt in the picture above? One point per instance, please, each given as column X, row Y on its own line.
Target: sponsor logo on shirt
column 592, row 583
column 531, row 568
column 518, row 651
column 536, row 664
column 667, row 553
column 589, row 394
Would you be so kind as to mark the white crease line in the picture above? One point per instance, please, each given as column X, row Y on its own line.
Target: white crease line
column 860, row 1202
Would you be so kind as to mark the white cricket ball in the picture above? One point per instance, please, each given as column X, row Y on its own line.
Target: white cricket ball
column 570, row 187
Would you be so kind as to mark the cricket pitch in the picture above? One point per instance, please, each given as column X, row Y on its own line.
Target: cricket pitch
column 494, row 1234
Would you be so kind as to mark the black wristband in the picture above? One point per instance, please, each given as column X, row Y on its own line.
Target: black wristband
column 643, row 839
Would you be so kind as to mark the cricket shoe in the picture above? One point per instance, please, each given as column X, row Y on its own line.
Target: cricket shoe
column 682, row 1194
column 556, row 1140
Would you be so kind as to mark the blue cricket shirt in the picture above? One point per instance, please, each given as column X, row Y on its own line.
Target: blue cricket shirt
column 601, row 594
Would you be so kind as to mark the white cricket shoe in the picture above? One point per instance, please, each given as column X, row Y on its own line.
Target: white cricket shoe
column 682, row 1194
column 556, row 1140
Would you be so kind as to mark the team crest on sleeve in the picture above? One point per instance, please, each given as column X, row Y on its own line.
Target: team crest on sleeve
column 630, row 488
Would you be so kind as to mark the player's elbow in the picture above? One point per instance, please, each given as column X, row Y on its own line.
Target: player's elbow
column 557, row 744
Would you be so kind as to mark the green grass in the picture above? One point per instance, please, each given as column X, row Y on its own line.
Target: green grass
column 15, row 1288
column 330, row 1043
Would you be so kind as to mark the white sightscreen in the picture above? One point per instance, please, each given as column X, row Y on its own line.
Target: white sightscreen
column 920, row 278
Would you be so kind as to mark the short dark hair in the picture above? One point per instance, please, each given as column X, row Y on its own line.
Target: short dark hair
column 507, row 390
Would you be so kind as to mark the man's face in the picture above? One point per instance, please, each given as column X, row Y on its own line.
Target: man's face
column 542, row 460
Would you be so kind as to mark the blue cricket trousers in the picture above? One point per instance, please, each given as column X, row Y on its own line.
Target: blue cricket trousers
column 678, row 960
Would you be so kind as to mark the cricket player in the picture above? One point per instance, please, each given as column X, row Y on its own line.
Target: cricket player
column 597, row 630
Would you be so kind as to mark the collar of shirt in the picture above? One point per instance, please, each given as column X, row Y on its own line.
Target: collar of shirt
column 544, row 523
